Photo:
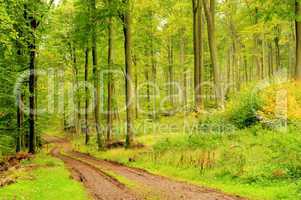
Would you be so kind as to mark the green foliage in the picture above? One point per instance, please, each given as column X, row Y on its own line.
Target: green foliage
column 243, row 107
column 265, row 165
column 215, row 122
column 50, row 180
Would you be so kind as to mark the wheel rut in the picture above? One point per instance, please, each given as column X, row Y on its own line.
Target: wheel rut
column 99, row 177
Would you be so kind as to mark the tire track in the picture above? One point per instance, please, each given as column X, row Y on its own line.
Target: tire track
column 100, row 185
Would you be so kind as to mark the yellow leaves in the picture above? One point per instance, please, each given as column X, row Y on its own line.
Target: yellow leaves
column 282, row 101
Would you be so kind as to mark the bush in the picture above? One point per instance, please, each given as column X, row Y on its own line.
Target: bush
column 243, row 107
column 282, row 104
column 215, row 123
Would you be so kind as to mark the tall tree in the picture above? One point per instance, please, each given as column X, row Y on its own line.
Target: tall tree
column 198, row 48
column 209, row 8
column 127, row 23
column 95, row 74
column 110, row 78
column 86, row 95
column 298, row 40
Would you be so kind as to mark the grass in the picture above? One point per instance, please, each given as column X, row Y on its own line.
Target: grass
column 255, row 163
column 47, row 181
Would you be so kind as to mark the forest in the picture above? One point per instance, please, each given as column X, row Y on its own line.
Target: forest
column 150, row 99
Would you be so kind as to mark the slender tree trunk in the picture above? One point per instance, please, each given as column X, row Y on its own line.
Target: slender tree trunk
column 229, row 63
column 170, row 72
column 20, row 121
column 264, row 59
column 136, row 96
column 277, row 49
column 147, row 80
column 182, row 62
column 136, row 88
column 96, row 76
column 292, row 50
column 210, row 16
column 270, row 60
column 154, row 76
column 154, row 71
column 87, row 138
column 129, row 73
column 20, row 103
column 32, row 86
column 298, row 42
column 76, row 98
column 198, row 54
column 110, row 80
column 257, row 44
column 246, row 69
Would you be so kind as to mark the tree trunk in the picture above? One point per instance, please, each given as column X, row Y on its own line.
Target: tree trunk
column 277, row 49
column 136, row 88
column 32, row 86
column 270, row 60
column 170, row 72
column 298, row 41
column 182, row 63
column 210, row 16
column 198, row 54
column 147, row 80
column 154, row 72
column 110, row 80
column 96, row 76
column 76, row 96
column 20, row 121
column 87, row 138
column 129, row 73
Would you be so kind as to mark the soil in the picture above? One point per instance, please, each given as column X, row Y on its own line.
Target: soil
column 96, row 177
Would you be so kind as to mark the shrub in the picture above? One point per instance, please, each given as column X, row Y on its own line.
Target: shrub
column 282, row 103
column 215, row 123
column 243, row 107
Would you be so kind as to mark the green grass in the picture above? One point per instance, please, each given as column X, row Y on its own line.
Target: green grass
column 47, row 181
column 255, row 163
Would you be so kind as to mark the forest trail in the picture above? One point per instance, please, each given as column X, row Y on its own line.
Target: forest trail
column 107, row 180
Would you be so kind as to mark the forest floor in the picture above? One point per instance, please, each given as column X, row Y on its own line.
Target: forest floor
column 108, row 180
column 42, row 177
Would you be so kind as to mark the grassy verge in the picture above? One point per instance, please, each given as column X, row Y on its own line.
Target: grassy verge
column 43, row 178
column 253, row 163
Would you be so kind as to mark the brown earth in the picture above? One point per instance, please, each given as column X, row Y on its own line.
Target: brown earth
column 103, row 180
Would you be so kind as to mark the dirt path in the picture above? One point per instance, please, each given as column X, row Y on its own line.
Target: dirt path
column 111, row 181
column 99, row 185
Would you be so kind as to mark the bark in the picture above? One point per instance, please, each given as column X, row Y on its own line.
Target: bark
column 147, row 80
column 76, row 98
column 277, row 49
column 32, row 86
column 182, row 62
column 257, row 50
column 87, row 138
column 198, row 54
column 20, row 121
column 246, row 68
column 20, row 101
column 270, row 60
column 129, row 73
column 229, row 63
column 154, row 72
column 209, row 8
column 292, row 50
column 170, row 72
column 136, row 88
column 298, row 41
column 154, row 76
column 110, row 81
column 96, row 76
